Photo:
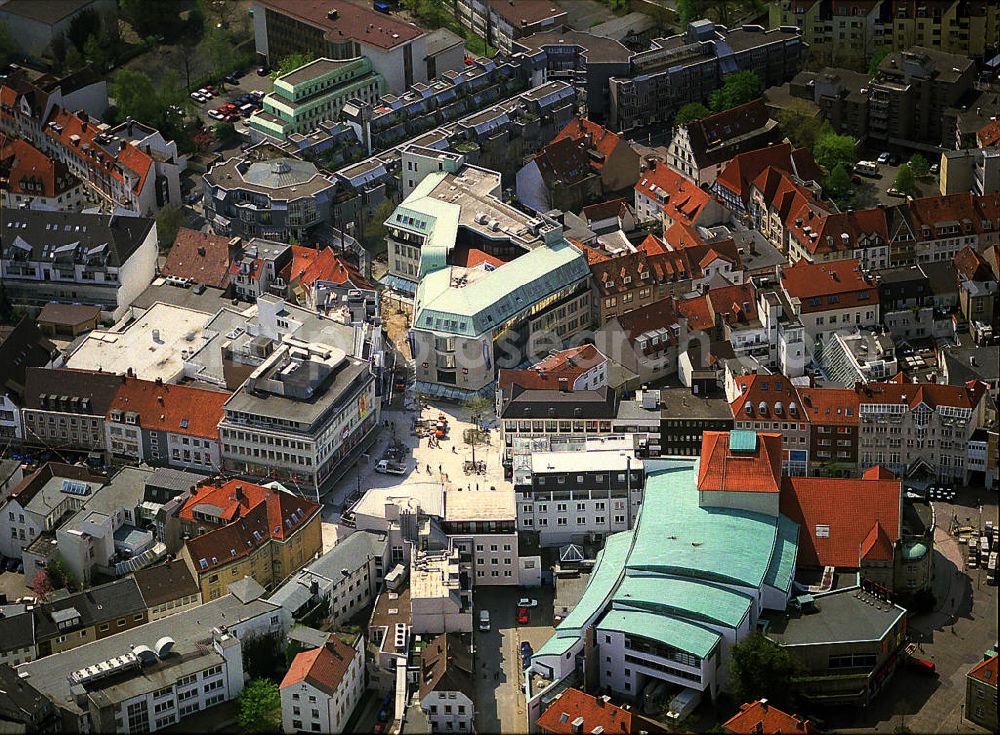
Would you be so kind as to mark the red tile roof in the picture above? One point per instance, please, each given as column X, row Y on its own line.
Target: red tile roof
column 698, row 313
column 972, row 266
column 828, row 286
column 723, row 469
column 352, row 21
column 598, row 138
column 714, row 139
column 985, row 671
column 30, row 172
column 838, row 518
column 310, row 265
column 763, row 718
column 681, row 235
column 736, row 304
column 830, row 406
column 569, row 364
column 931, row 394
column 130, row 157
column 253, row 515
column 200, row 256
column 324, row 667
column 770, row 390
column 564, row 160
column 680, row 198
column 878, row 472
column 572, row 704
column 606, row 210
column 177, row 409
column 989, row 134
column 653, row 245
column 743, row 169
column 660, row 314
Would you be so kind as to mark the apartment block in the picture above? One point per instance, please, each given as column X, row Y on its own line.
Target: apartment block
column 314, row 93
column 502, row 22
column 67, row 407
column 838, row 32
column 34, row 181
column 688, row 67
column 323, row 685
column 76, row 258
column 447, row 694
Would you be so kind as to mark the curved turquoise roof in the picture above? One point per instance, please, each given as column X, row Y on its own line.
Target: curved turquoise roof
column 912, row 552
column 689, row 598
column 679, row 634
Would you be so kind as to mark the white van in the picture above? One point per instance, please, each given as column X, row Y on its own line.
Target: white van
column 484, row 620
column 866, row 168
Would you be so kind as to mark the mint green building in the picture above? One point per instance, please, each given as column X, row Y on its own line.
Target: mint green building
column 305, row 97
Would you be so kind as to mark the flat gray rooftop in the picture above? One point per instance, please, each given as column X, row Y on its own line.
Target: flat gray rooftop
column 841, row 616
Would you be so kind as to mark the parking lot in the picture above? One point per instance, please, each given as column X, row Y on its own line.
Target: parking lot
column 870, row 191
column 499, row 679
column 231, row 94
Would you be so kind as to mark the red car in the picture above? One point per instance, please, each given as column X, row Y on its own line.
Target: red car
column 922, row 666
column 522, row 616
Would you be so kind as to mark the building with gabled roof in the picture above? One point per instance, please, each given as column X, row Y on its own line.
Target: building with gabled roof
column 573, row 711
column 734, row 181
column 323, row 685
column 200, row 257
column 35, row 181
column 575, row 368
column 609, row 154
column 758, row 402
column 665, row 196
column 241, row 529
column 165, row 424
column 447, row 683
column 981, row 692
column 763, row 718
column 22, row 346
column 700, row 148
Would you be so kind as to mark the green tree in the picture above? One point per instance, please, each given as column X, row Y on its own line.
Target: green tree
column 919, row 166
column 152, row 17
column 94, row 53
column 86, row 24
column 135, row 96
column 74, row 59
column 905, row 181
column 831, row 149
column 877, row 59
column 220, row 52
column 291, row 63
column 838, row 182
column 168, row 221
column 690, row 112
column 761, row 668
column 264, row 656
column 260, row 706
column 374, row 232
column 801, row 125
column 224, row 132
column 738, row 89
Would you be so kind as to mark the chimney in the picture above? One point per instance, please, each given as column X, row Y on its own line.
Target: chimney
column 577, row 725
column 763, row 704
column 564, row 385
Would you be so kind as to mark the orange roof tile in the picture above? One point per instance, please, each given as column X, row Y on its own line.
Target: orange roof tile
column 323, row 667
column 770, row 390
column 723, row 469
column 985, row 671
column 177, row 409
column 931, row 394
column 830, row 406
column 200, row 256
column 30, row 172
column 989, row 134
column 572, row 704
column 681, row 235
column 569, row 364
column 698, row 313
column 763, row 718
column 839, row 518
column 744, row 168
column 601, row 140
column 972, row 266
column 828, row 286
column 680, row 198
column 310, row 265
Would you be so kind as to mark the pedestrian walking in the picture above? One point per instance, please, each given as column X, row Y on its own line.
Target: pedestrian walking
column 428, row 469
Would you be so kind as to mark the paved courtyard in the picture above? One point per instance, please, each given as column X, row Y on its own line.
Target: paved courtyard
column 953, row 636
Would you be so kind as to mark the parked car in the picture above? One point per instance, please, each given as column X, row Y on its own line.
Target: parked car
column 922, row 666
column 935, row 168
column 385, row 467
column 262, row 71
column 484, row 620
column 216, row 114
column 894, row 192
column 522, row 616
column 527, row 602
column 232, row 79
column 883, row 157
column 197, row 97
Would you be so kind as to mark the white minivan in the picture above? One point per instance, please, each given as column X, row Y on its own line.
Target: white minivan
column 484, row 620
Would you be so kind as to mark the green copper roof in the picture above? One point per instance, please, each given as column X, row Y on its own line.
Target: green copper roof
column 741, row 440
column 556, row 646
column 911, row 552
column 688, row 598
column 603, row 580
column 781, row 570
column 490, row 298
column 431, row 218
column 677, row 536
column 669, row 631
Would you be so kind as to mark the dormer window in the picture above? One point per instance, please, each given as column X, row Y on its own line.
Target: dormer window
column 644, row 274
column 627, row 280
